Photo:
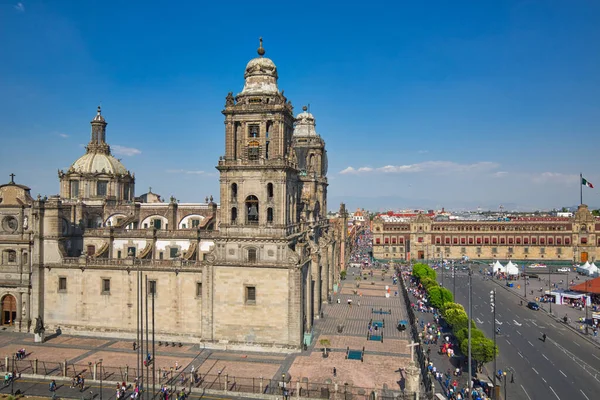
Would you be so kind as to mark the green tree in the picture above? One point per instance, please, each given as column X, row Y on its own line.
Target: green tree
column 463, row 333
column 447, row 296
column 428, row 283
column 596, row 213
column 448, row 306
column 482, row 349
column 456, row 318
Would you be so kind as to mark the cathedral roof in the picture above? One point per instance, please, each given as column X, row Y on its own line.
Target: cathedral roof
column 305, row 124
column 261, row 75
column 93, row 163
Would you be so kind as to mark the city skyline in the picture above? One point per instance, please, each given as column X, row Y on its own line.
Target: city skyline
column 458, row 106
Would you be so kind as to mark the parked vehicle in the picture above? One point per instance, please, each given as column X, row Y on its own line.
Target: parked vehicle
column 533, row 305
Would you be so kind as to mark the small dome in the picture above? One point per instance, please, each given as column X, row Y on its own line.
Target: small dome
column 305, row 124
column 261, row 75
column 92, row 163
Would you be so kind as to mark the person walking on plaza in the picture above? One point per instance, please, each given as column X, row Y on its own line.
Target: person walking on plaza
column 334, row 372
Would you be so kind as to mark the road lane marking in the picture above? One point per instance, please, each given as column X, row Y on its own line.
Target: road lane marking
column 530, row 343
column 595, row 356
column 507, row 341
column 520, row 354
column 534, row 370
column 554, row 326
column 577, row 344
column 517, row 324
column 544, row 380
column 527, row 324
column 533, row 322
column 562, row 373
column 560, row 333
column 554, row 392
column 584, row 394
column 527, row 394
column 543, row 355
column 518, row 331
column 479, row 321
column 498, row 322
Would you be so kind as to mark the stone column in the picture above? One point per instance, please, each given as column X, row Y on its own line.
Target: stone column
column 308, row 297
column 413, row 378
column 207, row 299
column 316, row 288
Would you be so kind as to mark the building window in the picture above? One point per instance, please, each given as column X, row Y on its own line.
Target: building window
column 250, row 295
column 25, row 259
column 270, row 191
column 533, row 240
column 463, row 241
column 234, row 215
column 11, row 256
column 526, row 250
column 152, row 288
column 401, row 241
column 470, row 240
column 454, row 240
column 518, row 240
column 252, row 210
column 74, row 189
column 386, row 240
column 494, row 250
column 386, row 248
column 510, row 240
column 198, row 289
column 119, row 254
column 105, row 286
column 447, row 240
column 131, row 251
column 393, row 240
column 101, row 188
column 525, row 240
column 542, row 250
column 173, row 252
column 510, row 249
column 377, row 241
column 542, row 241
column 157, row 223
column 91, row 250
column 558, row 241
column 251, row 255
column 253, row 151
column 269, row 215
column 393, row 249
column 438, row 241
column 254, row 131
column 161, row 255
column 145, row 226
column 583, row 240
column 234, row 192
column 486, row 241
column 502, row 240
column 195, row 223
column 558, row 250
column 62, row 284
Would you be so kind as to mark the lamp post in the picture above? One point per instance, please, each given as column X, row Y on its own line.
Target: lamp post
column 442, row 266
column 12, row 380
column 100, row 379
column 505, row 393
column 469, row 329
column 454, row 282
column 550, row 289
column 493, row 306
column 587, row 282
column 525, row 282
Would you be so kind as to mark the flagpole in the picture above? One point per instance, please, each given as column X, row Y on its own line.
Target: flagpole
column 581, row 188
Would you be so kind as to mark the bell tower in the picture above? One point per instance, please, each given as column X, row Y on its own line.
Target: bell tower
column 258, row 171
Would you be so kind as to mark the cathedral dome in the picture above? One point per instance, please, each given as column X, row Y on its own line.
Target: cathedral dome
column 93, row 163
column 305, row 124
column 260, row 75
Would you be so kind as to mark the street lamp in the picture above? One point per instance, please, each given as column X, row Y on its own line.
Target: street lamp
column 442, row 266
column 493, row 306
column 525, row 282
column 505, row 394
column 469, row 329
column 100, row 379
column 454, row 282
column 12, row 380
column 549, row 289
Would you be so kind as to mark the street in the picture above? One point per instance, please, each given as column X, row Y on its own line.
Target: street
column 565, row 366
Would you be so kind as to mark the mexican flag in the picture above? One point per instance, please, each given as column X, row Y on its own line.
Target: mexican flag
column 586, row 183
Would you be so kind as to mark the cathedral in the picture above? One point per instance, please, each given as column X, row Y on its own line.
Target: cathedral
column 253, row 270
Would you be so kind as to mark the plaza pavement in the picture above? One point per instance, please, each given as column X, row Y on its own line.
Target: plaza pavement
column 380, row 368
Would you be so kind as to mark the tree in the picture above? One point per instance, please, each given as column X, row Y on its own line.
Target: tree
column 463, row 333
column 482, row 349
column 428, row 283
column 448, row 306
column 456, row 318
column 447, row 296
column 596, row 213
column 325, row 343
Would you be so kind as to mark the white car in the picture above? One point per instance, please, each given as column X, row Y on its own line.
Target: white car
column 564, row 269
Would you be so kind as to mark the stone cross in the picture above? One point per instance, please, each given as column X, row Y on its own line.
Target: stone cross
column 12, row 178
column 412, row 350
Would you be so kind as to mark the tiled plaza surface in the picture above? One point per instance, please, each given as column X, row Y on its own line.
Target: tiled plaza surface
column 242, row 370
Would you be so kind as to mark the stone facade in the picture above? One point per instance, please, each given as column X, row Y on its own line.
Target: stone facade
column 558, row 239
column 253, row 270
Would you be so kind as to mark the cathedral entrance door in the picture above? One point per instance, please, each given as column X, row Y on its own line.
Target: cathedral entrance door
column 421, row 255
column 584, row 257
column 9, row 310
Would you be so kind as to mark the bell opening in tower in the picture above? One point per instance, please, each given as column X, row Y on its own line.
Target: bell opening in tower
column 252, row 210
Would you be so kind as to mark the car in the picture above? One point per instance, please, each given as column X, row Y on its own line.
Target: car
column 564, row 269
column 533, row 305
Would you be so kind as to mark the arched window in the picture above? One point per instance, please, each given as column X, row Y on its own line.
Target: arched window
column 234, row 215
column 317, row 210
column 234, row 192
column 251, row 255
column 269, row 215
column 253, row 150
column 270, row 190
column 251, row 210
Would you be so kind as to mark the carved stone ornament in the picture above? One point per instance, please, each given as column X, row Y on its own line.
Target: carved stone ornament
column 292, row 256
column 211, row 257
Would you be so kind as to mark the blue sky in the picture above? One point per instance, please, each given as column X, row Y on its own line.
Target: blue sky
column 422, row 104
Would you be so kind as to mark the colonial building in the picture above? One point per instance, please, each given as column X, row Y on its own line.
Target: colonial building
column 254, row 270
column 564, row 239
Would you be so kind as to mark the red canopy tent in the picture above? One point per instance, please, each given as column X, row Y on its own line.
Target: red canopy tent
column 591, row 286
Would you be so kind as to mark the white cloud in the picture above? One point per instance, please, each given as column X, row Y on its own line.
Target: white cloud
column 427, row 166
column 20, row 7
column 500, row 174
column 125, row 151
column 555, row 177
column 185, row 171
column 63, row 135
column 422, row 151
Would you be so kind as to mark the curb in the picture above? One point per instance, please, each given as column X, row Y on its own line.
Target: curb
column 592, row 342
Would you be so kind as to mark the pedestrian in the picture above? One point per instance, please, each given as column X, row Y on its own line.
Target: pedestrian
column 544, row 338
column 512, row 377
column 334, row 372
